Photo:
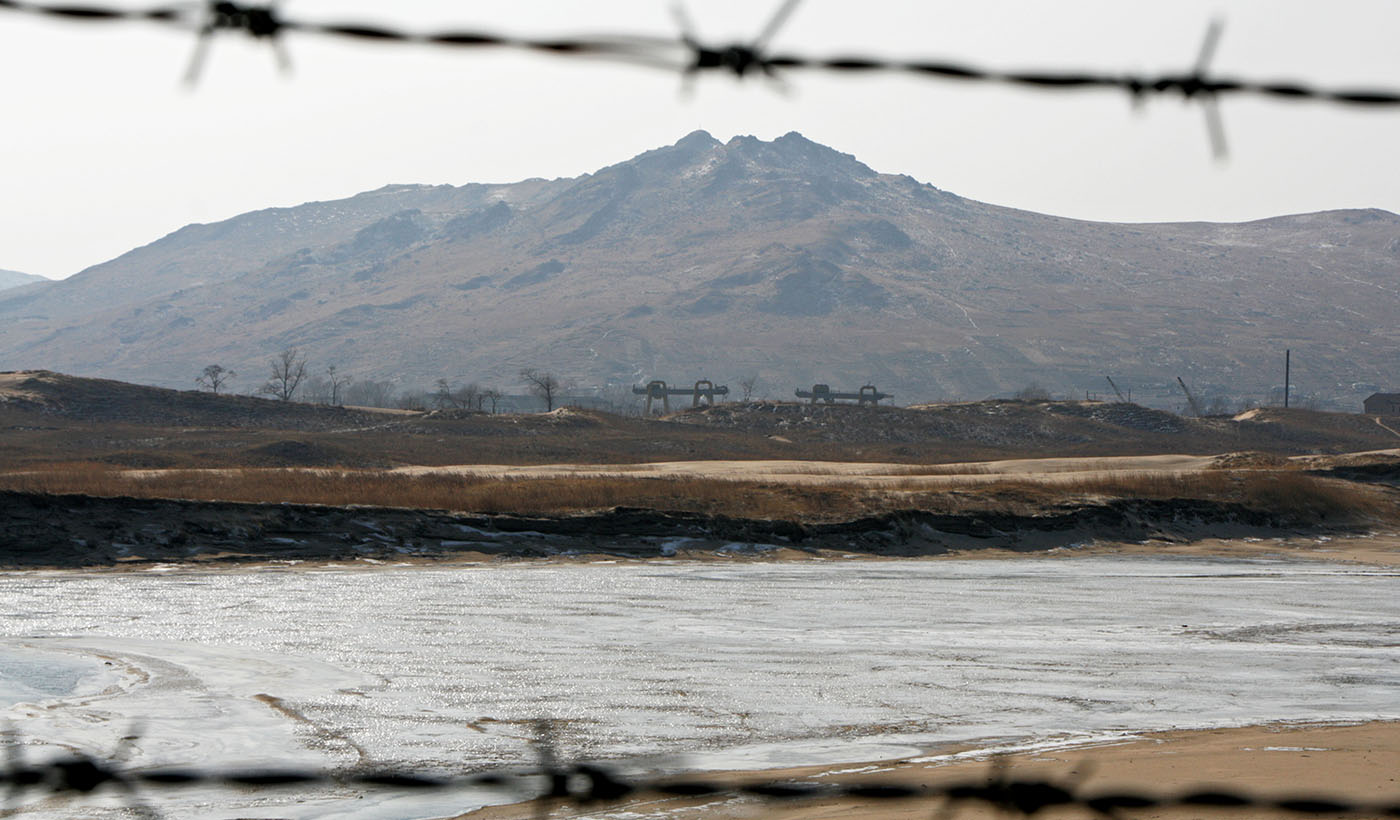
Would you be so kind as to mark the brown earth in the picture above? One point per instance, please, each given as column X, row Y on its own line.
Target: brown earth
column 1354, row 764
column 98, row 473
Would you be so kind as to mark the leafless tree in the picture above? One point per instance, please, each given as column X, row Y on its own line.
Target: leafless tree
column 288, row 372
column 747, row 384
column 442, row 396
column 338, row 383
column 542, row 384
column 214, row 378
column 448, row 397
column 316, row 390
column 413, row 401
column 492, row 395
column 469, row 396
column 369, row 393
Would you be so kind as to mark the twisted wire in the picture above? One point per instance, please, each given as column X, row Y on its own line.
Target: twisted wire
column 740, row 60
column 585, row 785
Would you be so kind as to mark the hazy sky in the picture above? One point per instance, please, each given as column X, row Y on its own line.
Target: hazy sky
column 105, row 151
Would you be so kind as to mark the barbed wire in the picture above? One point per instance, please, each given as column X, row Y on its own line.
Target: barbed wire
column 741, row 60
column 691, row 57
column 590, row 785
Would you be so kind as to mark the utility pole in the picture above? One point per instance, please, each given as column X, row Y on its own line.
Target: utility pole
column 1287, row 362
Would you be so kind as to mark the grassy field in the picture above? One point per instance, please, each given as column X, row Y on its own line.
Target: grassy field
column 1302, row 496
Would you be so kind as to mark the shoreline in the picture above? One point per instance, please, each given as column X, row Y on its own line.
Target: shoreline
column 91, row 532
column 1355, row 762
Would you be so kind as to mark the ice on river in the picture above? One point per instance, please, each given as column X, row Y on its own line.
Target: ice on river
column 747, row 665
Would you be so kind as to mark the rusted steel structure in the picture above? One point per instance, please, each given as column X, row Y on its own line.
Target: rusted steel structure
column 823, row 392
column 703, row 392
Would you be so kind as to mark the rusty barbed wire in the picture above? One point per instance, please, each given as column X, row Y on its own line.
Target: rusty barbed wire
column 687, row 54
column 589, row 785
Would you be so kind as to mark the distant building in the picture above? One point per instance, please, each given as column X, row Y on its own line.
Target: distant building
column 1382, row 404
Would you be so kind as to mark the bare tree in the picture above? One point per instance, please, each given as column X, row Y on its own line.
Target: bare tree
column 466, row 397
column 316, row 390
column 442, row 396
column 214, row 378
column 544, row 385
column 747, row 384
column 338, row 383
column 288, row 372
column 492, row 395
column 369, row 393
column 469, row 396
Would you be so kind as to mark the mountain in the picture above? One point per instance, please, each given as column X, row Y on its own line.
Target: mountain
column 13, row 279
column 785, row 259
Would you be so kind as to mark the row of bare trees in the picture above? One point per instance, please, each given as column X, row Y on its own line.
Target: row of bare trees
column 465, row 397
column 289, row 375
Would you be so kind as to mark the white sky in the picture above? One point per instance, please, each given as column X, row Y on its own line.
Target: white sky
column 103, row 150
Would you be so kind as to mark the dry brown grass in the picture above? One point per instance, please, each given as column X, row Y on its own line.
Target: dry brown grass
column 1283, row 491
column 440, row 491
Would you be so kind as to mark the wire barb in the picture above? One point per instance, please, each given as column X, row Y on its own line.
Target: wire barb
column 742, row 60
column 1199, row 87
column 587, row 785
column 258, row 22
column 738, row 59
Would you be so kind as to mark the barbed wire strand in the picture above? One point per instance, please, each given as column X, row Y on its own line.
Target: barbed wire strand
column 264, row 22
column 590, row 785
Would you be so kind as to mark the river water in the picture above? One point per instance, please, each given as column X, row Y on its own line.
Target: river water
column 677, row 664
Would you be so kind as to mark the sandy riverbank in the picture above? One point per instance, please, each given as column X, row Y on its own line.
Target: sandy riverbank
column 1356, row 763
column 853, row 474
column 812, row 473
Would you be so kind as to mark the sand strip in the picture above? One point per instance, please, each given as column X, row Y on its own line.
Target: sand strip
column 1355, row 763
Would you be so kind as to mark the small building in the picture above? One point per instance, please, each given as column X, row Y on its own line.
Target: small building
column 1382, row 404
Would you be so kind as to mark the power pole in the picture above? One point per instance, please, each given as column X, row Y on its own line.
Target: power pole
column 1287, row 362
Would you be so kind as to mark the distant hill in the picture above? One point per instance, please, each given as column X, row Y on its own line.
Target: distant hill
column 109, row 401
column 785, row 259
column 13, row 279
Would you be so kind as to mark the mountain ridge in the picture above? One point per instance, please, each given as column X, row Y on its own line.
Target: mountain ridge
column 14, row 279
column 782, row 258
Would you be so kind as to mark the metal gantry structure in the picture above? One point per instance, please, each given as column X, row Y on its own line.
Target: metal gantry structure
column 702, row 393
column 823, row 393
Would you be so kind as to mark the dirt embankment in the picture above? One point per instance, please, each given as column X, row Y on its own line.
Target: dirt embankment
column 56, row 395
column 85, row 531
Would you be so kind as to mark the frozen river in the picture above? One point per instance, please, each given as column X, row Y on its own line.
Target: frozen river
column 730, row 665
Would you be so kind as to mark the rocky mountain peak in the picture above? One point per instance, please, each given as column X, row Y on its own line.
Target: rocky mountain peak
column 698, row 140
column 792, row 151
